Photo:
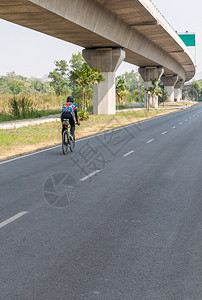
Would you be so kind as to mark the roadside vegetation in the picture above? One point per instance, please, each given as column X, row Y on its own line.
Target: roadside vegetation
column 26, row 98
column 194, row 92
column 27, row 139
column 16, row 107
column 22, row 97
column 176, row 104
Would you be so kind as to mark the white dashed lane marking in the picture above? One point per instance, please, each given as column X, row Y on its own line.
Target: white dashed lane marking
column 90, row 175
column 130, row 152
column 15, row 217
column 150, row 141
column 164, row 132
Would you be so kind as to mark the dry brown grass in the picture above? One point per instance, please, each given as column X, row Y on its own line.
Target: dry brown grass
column 23, row 140
column 177, row 104
column 40, row 102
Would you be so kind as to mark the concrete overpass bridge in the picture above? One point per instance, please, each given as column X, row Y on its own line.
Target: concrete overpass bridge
column 111, row 31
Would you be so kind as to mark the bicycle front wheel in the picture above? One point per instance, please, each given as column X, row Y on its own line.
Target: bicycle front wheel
column 64, row 142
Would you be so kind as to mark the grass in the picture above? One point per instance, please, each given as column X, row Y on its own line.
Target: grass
column 181, row 103
column 43, row 105
column 41, row 102
column 122, row 106
column 27, row 139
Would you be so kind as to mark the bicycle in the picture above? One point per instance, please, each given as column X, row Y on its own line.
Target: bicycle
column 66, row 140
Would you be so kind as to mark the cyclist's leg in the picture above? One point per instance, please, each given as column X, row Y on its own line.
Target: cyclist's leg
column 65, row 115
column 72, row 123
column 62, row 117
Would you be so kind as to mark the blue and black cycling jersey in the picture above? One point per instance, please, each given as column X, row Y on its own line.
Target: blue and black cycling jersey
column 67, row 112
column 69, row 107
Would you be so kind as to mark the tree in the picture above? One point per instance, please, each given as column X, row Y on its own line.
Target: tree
column 86, row 77
column 120, row 89
column 12, row 84
column 76, row 61
column 18, row 84
column 154, row 91
column 135, row 96
column 133, row 81
column 37, row 86
column 15, row 87
column 195, row 90
column 59, row 77
column 164, row 97
column 134, row 86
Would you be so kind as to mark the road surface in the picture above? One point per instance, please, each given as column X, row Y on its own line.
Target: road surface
column 120, row 218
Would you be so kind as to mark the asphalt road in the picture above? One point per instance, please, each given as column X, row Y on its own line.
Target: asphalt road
column 120, row 218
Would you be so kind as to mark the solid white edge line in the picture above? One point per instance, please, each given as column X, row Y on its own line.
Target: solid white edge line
column 130, row 152
column 77, row 141
column 150, row 141
column 29, row 154
column 90, row 175
column 85, row 138
column 15, row 217
column 164, row 132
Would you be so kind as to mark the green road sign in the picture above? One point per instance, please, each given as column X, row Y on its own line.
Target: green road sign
column 188, row 38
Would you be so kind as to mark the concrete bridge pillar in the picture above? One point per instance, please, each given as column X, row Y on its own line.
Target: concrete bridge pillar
column 169, row 82
column 178, row 89
column 107, row 60
column 148, row 74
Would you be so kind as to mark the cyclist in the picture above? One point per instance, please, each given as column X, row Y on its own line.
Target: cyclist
column 68, row 109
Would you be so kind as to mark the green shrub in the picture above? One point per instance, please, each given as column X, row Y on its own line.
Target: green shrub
column 21, row 107
column 83, row 115
column 15, row 110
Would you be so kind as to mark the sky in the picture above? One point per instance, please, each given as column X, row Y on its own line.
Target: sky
column 30, row 53
column 184, row 15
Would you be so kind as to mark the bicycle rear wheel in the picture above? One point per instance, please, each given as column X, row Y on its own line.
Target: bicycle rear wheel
column 72, row 144
column 64, row 142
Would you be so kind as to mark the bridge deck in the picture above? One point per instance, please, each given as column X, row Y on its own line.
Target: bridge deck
column 81, row 20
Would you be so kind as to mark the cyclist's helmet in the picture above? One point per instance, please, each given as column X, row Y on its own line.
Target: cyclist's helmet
column 70, row 99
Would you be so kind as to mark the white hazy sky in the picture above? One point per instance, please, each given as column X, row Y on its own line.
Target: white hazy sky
column 30, row 53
